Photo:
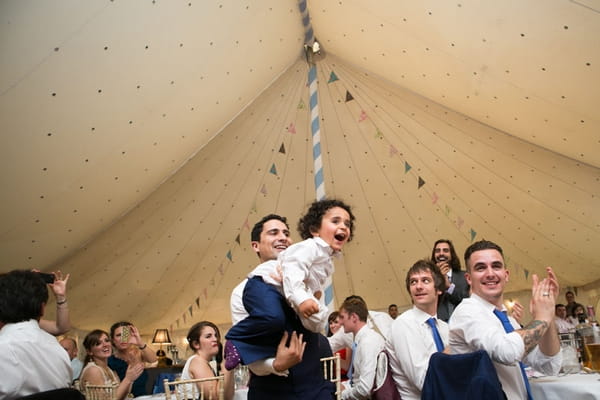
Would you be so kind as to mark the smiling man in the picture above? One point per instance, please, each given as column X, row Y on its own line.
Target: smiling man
column 480, row 322
column 457, row 288
column 417, row 333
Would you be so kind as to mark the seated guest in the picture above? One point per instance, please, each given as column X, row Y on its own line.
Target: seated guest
column 480, row 322
column 204, row 340
column 366, row 347
column 97, row 372
column 417, row 333
column 563, row 325
column 70, row 346
column 31, row 360
column 346, row 352
column 129, row 349
column 579, row 315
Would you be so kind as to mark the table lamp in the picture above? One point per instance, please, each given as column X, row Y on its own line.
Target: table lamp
column 161, row 336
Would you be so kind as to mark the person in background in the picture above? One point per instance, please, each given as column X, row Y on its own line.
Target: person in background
column 457, row 288
column 204, row 340
column 571, row 303
column 62, row 324
column 31, row 360
column 579, row 315
column 130, row 350
column 367, row 344
column 345, row 353
column 417, row 333
column 70, row 346
column 563, row 325
column 480, row 322
column 96, row 371
column 393, row 311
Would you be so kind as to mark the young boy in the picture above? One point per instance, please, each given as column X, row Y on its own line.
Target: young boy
column 304, row 268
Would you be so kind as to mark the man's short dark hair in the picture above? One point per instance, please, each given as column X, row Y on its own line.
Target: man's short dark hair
column 423, row 266
column 22, row 296
column 258, row 227
column 311, row 221
column 356, row 305
column 481, row 245
column 392, row 305
column 454, row 259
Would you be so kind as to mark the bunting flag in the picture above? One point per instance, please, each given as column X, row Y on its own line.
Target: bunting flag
column 348, row 96
column 263, row 190
column 253, row 209
column 434, row 198
column 229, row 256
column 526, row 271
column 282, row 149
column 473, row 234
column 205, row 292
column 190, row 308
column 407, row 167
column 459, row 222
column 246, row 224
column 378, row 134
column 332, row 77
column 301, row 105
column 421, row 182
column 291, row 129
column 184, row 318
column 273, row 170
column 221, row 270
column 363, row 116
column 198, row 301
column 393, row 150
column 237, row 239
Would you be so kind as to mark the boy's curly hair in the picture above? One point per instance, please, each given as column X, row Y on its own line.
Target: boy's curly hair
column 311, row 221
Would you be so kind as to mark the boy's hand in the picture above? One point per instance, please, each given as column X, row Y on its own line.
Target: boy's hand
column 308, row 307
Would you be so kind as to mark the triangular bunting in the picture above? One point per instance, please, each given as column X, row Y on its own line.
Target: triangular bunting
column 526, row 271
column 434, row 198
column 393, row 150
column 332, row 77
column 473, row 234
column 421, row 182
column 407, row 167
column 363, row 116
column 237, row 239
column 246, row 224
column 378, row 134
column 198, row 301
column 190, row 310
column 205, row 293
column 291, row 128
column 263, row 189
column 460, row 222
column 301, row 105
column 447, row 210
column 221, row 270
column 229, row 256
column 282, row 149
column 348, row 96
column 184, row 318
column 273, row 170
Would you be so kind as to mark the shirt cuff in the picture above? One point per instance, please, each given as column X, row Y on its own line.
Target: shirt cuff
column 265, row 367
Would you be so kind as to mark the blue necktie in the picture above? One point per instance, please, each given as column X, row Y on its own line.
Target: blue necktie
column 351, row 367
column 436, row 335
column 508, row 328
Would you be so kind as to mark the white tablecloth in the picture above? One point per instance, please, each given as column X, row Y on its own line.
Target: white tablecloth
column 240, row 394
column 573, row 386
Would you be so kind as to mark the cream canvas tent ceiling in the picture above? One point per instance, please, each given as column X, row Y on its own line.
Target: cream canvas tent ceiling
column 142, row 139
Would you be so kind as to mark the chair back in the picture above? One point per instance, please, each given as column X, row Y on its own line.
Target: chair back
column 190, row 389
column 384, row 386
column 332, row 372
column 470, row 376
column 101, row 392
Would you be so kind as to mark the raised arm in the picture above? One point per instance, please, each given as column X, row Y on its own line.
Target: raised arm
column 62, row 324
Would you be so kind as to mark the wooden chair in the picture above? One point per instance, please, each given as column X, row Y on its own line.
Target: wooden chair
column 332, row 372
column 100, row 392
column 188, row 389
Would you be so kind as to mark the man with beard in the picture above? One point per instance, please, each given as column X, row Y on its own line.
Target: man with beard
column 457, row 288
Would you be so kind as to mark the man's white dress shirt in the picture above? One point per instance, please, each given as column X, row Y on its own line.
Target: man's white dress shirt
column 364, row 362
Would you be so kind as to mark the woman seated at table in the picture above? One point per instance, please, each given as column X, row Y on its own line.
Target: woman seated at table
column 96, row 371
column 345, row 353
column 204, row 340
column 130, row 349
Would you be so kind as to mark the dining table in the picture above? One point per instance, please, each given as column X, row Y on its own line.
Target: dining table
column 580, row 386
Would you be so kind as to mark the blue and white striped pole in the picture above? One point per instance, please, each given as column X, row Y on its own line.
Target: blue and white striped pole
column 315, row 129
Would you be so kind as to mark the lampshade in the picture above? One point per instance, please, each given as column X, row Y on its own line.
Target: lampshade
column 161, row 336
